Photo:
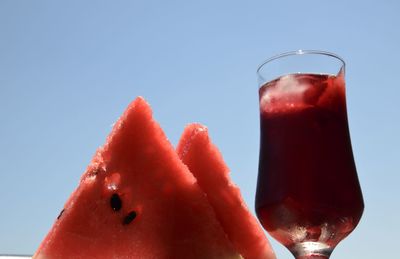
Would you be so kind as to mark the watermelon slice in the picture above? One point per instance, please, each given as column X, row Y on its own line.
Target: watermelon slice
column 207, row 165
column 137, row 200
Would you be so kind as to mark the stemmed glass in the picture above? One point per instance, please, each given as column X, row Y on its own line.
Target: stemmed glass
column 308, row 194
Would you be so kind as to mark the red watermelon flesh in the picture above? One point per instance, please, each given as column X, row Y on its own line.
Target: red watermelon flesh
column 206, row 163
column 137, row 200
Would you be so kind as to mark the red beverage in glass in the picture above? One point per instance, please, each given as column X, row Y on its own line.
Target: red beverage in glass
column 307, row 189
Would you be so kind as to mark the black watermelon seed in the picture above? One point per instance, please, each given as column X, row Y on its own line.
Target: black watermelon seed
column 59, row 215
column 115, row 202
column 128, row 218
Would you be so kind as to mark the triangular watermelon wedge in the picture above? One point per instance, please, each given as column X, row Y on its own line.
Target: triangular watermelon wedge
column 206, row 163
column 137, row 200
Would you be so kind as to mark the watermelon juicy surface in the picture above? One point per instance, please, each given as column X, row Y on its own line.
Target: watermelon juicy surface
column 206, row 163
column 137, row 200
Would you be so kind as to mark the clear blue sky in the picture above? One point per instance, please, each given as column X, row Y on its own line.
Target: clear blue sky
column 69, row 68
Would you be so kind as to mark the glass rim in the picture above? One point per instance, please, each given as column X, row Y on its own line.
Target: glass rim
column 300, row 52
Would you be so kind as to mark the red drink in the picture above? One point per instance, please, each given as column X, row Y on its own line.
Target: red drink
column 307, row 190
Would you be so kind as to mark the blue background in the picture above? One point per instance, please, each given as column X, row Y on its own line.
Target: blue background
column 69, row 68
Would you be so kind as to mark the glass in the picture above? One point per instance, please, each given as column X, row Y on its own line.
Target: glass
column 308, row 194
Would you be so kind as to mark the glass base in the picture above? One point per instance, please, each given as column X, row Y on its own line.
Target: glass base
column 311, row 250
